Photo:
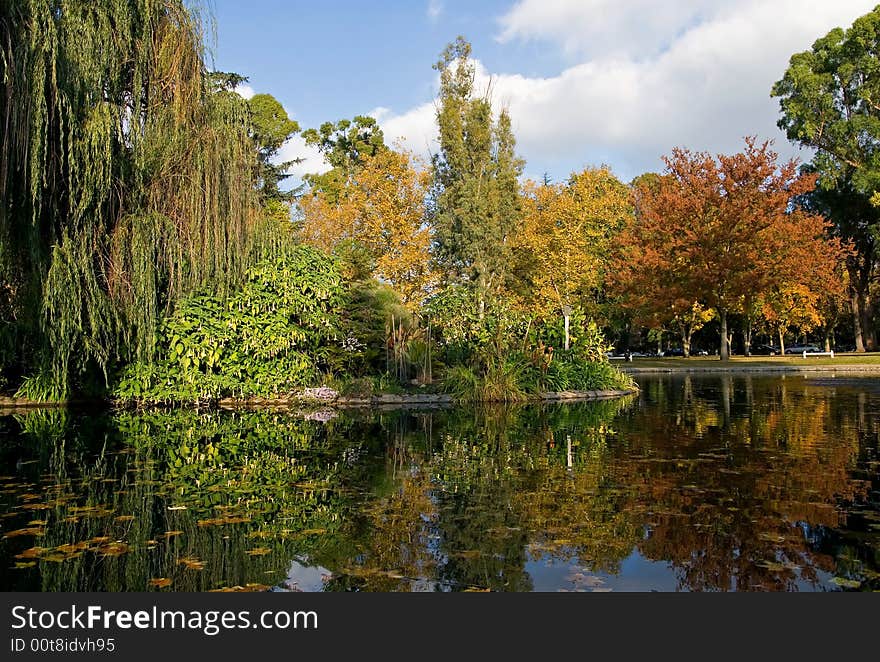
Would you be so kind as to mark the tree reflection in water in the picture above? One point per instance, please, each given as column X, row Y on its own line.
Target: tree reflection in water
column 709, row 483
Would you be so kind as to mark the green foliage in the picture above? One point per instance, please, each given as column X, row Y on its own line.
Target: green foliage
column 516, row 379
column 344, row 144
column 828, row 99
column 271, row 128
column 573, row 373
column 475, row 193
column 268, row 338
column 502, row 356
column 585, row 337
column 107, row 222
column 366, row 316
column 473, row 331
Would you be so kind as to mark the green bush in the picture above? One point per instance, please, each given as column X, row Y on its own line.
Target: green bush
column 270, row 337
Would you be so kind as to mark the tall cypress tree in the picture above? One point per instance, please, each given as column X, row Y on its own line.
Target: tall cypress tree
column 475, row 189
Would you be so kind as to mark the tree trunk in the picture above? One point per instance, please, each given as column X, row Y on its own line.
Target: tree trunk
column 685, row 343
column 747, row 337
column 781, row 333
column 866, row 308
column 857, row 322
column 567, row 322
column 828, row 342
column 725, row 346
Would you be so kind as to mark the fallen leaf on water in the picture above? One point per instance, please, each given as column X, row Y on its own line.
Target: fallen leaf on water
column 846, row 583
column 37, row 522
column 583, row 579
column 100, row 539
column 171, row 534
column 113, row 549
column 30, row 531
column 192, row 563
column 32, row 553
column 25, row 564
column 177, row 508
column 58, row 557
column 123, row 518
column 467, row 554
column 220, row 521
column 160, row 582
column 247, row 588
column 69, row 548
column 259, row 551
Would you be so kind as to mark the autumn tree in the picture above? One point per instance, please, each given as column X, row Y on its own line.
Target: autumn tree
column 475, row 198
column 380, row 213
column 566, row 237
column 647, row 286
column 830, row 101
column 719, row 231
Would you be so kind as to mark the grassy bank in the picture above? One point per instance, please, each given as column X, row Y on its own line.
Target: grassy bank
column 713, row 363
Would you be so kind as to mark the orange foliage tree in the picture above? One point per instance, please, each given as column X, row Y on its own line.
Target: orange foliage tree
column 566, row 237
column 720, row 232
column 381, row 209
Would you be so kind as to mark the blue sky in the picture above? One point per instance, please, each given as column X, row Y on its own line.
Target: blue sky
column 587, row 82
column 334, row 59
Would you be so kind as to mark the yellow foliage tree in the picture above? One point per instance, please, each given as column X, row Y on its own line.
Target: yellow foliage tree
column 566, row 236
column 382, row 209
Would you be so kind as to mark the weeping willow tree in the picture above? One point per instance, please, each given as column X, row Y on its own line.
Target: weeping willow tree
column 127, row 180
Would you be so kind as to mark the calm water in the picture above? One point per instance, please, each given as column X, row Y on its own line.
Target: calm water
column 710, row 483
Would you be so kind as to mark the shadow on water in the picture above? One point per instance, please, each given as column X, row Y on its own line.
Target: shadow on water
column 697, row 483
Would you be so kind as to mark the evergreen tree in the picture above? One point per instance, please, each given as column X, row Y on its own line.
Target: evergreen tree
column 475, row 193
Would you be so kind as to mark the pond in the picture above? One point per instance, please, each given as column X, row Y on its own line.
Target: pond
column 745, row 483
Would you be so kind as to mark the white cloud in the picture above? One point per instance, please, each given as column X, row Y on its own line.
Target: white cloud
column 312, row 160
column 435, row 8
column 414, row 129
column 245, row 91
column 601, row 27
column 696, row 74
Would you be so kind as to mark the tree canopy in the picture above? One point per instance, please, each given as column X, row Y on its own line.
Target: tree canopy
column 271, row 128
column 719, row 232
column 476, row 206
column 107, row 221
column 829, row 98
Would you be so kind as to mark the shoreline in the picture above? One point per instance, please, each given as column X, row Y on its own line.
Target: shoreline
column 867, row 369
column 334, row 401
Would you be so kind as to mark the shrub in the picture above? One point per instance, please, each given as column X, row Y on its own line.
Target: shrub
column 267, row 338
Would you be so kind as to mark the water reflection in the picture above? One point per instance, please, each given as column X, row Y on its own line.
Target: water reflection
column 695, row 484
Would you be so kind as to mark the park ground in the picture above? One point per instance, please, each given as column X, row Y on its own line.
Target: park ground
column 846, row 361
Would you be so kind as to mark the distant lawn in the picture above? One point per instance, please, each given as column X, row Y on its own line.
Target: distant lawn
column 713, row 362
